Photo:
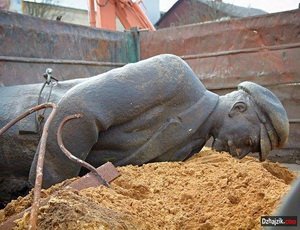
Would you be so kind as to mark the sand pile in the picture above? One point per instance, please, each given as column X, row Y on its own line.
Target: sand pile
column 210, row 191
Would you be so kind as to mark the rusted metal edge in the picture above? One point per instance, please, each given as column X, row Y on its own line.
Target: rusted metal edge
column 296, row 120
column 185, row 57
column 250, row 50
column 108, row 171
column 234, row 87
column 70, row 156
column 59, row 61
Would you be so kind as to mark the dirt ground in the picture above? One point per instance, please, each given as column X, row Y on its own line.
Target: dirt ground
column 209, row 191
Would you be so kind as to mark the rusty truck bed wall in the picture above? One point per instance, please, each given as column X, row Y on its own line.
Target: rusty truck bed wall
column 29, row 45
column 264, row 49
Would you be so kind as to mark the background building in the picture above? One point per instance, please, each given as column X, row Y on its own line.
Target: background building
column 185, row 12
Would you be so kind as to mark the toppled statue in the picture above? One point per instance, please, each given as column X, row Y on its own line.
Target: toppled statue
column 150, row 111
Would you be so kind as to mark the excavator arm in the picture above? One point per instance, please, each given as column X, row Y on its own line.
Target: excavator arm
column 129, row 13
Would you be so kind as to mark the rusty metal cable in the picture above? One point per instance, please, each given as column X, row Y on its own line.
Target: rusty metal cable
column 41, row 156
column 71, row 156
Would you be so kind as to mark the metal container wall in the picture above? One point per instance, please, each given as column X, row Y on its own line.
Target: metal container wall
column 29, row 45
column 263, row 49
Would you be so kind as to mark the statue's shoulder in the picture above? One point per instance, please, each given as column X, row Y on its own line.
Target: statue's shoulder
column 165, row 72
column 167, row 68
column 179, row 71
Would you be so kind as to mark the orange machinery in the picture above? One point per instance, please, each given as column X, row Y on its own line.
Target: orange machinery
column 129, row 13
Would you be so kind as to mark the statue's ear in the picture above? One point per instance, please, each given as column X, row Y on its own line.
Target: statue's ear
column 238, row 107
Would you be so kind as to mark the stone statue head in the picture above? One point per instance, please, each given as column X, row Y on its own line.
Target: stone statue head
column 254, row 121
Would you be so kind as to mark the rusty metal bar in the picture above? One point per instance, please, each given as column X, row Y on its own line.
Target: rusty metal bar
column 39, row 170
column 25, row 114
column 71, row 156
column 41, row 156
column 108, row 171
column 232, row 52
column 59, row 61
